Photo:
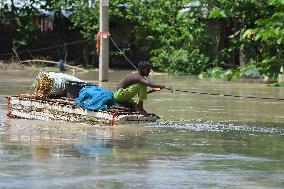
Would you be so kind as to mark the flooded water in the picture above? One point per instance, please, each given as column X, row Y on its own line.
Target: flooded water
column 202, row 141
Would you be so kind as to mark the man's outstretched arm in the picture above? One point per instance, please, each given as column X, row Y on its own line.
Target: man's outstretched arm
column 149, row 83
column 153, row 90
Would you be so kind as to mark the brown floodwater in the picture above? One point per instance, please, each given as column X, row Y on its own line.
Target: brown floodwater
column 201, row 141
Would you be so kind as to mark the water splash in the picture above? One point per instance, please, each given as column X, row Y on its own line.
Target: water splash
column 219, row 127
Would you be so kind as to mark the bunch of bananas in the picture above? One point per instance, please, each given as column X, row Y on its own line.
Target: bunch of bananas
column 43, row 84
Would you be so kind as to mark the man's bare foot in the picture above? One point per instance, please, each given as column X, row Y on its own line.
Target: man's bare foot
column 143, row 112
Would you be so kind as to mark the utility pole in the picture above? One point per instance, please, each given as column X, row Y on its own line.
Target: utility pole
column 104, row 41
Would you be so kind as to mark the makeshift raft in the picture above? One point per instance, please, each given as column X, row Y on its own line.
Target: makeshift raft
column 29, row 106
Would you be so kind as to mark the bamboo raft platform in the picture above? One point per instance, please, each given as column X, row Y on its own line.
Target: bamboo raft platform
column 30, row 106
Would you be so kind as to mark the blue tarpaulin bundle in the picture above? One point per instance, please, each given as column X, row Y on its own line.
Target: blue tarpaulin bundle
column 95, row 98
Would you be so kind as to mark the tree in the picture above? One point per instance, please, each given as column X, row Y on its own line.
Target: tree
column 21, row 15
column 269, row 35
column 177, row 35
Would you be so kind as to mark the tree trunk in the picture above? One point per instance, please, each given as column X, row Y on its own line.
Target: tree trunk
column 241, row 53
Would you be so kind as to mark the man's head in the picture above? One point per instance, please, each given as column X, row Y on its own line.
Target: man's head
column 144, row 68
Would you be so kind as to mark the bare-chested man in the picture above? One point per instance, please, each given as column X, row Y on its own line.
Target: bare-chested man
column 135, row 83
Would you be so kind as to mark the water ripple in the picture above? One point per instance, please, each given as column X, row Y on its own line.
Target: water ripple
column 3, row 117
column 220, row 157
column 219, row 127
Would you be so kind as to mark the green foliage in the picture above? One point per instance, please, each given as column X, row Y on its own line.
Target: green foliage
column 249, row 70
column 83, row 14
column 261, row 33
column 214, row 14
column 177, row 39
column 271, row 30
column 174, row 36
column 220, row 73
column 21, row 19
column 278, row 84
column 179, row 61
column 268, row 34
column 270, row 66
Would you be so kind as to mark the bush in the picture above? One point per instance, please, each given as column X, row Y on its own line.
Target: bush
column 179, row 61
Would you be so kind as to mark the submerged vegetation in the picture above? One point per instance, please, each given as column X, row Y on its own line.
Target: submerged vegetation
column 245, row 71
column 218, row 39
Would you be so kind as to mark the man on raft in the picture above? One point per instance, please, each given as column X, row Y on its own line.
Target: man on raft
column 133, row 84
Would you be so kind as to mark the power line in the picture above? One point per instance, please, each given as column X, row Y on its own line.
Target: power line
column 71, row 43
column 46, row 48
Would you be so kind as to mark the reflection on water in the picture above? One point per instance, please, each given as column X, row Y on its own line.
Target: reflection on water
column 201, row 142
column 80, row 156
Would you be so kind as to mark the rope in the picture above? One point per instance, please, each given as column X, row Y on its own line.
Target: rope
column 72, row 43
column 196, row 92
column 231, row 95
column 121, row 52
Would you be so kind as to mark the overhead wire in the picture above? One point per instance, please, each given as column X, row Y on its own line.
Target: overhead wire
column 46, row 48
